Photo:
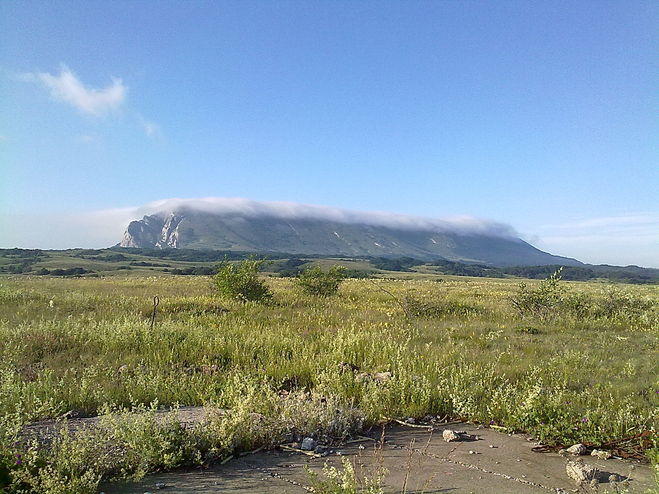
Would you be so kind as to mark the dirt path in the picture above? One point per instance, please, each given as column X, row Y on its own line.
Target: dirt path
column 416, row 461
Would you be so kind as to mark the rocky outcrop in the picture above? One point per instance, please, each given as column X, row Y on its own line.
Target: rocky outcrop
column 153, row 231
column 169, row 234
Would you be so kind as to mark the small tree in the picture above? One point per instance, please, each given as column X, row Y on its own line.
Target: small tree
column 314, row 281
column 240, row 280
column 543, row 301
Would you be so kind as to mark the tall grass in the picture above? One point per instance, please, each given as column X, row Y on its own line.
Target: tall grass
column 587, row 373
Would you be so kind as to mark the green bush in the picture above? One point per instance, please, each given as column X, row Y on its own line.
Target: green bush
column 542, row 302
column 551, row 300
column 240, row 280
column 314, row 281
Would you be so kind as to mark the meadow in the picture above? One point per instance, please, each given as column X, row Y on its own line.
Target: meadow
column 582, row 367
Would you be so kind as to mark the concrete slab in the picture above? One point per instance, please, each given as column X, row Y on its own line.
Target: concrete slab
column 416, row 460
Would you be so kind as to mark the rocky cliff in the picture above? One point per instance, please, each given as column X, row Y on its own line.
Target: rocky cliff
column 158, row 231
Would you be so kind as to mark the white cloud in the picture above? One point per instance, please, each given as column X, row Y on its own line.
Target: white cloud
column 68, row 88
column 624, row 239
column 151, row 129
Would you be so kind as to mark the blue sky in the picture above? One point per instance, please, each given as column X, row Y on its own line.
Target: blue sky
column 542, row 115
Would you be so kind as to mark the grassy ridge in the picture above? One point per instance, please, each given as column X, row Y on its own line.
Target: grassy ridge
column 84, row 344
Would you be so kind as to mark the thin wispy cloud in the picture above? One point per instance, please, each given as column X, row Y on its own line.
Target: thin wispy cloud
column 85, row 139
column 631, row 238
column 151, row 129
column 95, row 229
column 611, row 224
column 68, row 88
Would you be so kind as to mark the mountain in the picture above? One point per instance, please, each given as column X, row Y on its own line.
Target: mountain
column 268, row 229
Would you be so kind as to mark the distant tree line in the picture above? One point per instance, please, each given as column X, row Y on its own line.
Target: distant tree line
column 63, row 272
column 193, row 270
column 193, row 255
column 100, row 255
column 23, row 267
column 395, row 264
column 22, row 261
column 149, row 264
column 629, row 274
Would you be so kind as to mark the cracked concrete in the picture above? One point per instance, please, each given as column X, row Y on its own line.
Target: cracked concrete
column 417, row 460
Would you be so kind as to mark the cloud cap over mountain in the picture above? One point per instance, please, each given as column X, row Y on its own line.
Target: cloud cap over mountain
column 262, row 227
column 291, row 210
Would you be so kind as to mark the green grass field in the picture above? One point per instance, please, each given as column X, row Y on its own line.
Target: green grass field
column 586, row 370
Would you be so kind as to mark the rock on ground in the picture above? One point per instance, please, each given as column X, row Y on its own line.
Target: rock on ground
column 308, row 444
column 577, row 450
column 601, row 454
column 450, row 436
column 580, row 472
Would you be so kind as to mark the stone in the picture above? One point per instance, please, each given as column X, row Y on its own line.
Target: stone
column 580, row 472
column 600, row 454
column 308, row 444
column 363, row 377
column 382, row 376
column 209, row 370
column 577, row 450
column 450, row 436
column 348, row 367
column 321, row 449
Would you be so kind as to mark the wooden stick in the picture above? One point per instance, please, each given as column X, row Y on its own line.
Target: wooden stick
column 308, row 453
column 253, row 451
column 361, row 439
column 416, row 426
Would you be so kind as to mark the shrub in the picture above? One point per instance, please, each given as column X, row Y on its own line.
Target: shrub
column 345, row 480
column 550, row 300
column 619, row 304
column 542, row 302
column 314, row 281
column 241, row 281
